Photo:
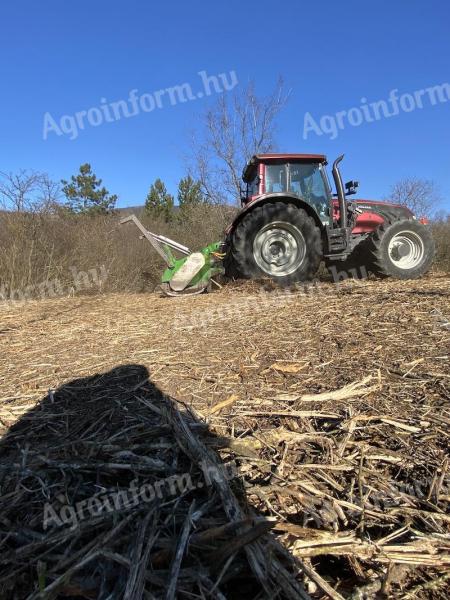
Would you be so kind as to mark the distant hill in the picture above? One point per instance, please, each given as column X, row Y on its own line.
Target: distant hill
column 128, row 210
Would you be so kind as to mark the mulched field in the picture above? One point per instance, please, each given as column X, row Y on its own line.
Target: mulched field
column 329, row 406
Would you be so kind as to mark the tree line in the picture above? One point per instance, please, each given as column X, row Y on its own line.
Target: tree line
column 85, row 194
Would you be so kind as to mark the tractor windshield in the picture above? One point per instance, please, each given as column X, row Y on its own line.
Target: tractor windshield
column 302, row 179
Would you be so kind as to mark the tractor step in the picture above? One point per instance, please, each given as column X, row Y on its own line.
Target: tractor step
column 337, row 240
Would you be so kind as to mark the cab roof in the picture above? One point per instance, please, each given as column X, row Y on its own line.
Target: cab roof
column 279, row 158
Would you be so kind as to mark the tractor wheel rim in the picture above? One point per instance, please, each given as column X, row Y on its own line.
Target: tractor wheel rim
column 279, row 248
column 406, row 250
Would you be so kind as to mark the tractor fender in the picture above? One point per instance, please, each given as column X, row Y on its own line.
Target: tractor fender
column 277, row 197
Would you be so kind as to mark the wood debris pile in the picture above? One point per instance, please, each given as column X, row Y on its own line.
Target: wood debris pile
column 324, row 415
column 361, row 495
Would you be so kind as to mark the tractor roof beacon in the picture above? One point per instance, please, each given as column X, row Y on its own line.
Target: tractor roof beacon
column 291, row 220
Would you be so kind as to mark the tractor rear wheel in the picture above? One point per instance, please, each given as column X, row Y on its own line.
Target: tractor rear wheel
column 278, row 240
column 403, row 249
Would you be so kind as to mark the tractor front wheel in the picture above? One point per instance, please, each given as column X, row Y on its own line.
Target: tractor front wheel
column 278, row 240
column 403, row 249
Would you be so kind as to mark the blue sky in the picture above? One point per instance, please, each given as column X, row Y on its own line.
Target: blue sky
column 63, row 57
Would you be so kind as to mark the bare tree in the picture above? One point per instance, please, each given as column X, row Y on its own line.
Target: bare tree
column 48, row 194
column 422, row 196
column 28, row 191
column 237, row 126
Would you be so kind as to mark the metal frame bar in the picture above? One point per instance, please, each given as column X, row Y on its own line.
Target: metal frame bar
column 158, row 241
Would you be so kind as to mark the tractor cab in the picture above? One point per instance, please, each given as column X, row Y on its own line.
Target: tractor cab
column 300, row 175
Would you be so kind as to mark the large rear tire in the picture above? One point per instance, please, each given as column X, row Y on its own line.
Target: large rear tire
column 403, row 249
column 277, row 240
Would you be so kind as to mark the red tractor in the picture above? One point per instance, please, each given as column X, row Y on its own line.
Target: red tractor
column 291, row 221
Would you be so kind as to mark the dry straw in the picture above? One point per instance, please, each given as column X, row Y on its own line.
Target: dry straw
column 334, row 406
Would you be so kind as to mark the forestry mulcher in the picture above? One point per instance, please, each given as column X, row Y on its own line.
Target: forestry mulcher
column 290, row 221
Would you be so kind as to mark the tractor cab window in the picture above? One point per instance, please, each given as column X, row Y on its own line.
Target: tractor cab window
column 276, row 178
column 306, row 181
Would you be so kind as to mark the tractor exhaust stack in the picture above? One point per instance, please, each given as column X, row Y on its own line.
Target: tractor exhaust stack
column 340, row 191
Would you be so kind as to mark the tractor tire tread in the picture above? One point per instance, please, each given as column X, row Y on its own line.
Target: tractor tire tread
column 379, row 262
column 242, row 259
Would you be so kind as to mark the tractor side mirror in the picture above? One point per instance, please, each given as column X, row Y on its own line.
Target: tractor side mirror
column 242, row 194
column 351, row 187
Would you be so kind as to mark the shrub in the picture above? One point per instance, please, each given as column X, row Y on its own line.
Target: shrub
column 37, row 250
column 441, row 234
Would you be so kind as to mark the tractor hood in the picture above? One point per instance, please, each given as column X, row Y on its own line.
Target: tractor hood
column 370, row 214
column 393, row 212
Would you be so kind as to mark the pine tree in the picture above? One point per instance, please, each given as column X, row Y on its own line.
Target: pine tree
column 159, row 203
column 189, row 192
column 85, row 195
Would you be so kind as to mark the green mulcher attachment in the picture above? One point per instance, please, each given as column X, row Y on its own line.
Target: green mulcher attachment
column 191, row 274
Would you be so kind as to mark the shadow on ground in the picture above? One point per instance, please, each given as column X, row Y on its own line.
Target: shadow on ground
column 109, row 490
